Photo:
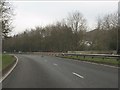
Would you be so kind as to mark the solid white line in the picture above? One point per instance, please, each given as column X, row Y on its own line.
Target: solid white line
column 5, row 76
column 55, row 64
column 101, row 64
column 77, row 75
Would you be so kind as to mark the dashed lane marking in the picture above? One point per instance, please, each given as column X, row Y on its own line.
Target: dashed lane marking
column 77, row 75
column 55, row 64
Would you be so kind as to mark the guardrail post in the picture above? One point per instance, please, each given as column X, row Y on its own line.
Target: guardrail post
column 84, row 57
column 103, row 58
column 92, row 57
column 77, row 56
column 118, row 58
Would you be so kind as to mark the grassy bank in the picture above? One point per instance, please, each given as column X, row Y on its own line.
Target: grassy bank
column 7, row 60
column 108, row 61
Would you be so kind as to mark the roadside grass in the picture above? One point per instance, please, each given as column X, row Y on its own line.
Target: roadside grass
column 108, row 61
column 7, row 60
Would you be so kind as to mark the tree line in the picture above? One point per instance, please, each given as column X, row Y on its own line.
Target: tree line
column 69, row 34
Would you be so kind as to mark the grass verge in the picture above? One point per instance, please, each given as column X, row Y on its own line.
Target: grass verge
column 7, row 60
column 108, row 61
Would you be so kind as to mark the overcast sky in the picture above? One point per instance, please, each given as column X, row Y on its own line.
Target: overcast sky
column 30, row 14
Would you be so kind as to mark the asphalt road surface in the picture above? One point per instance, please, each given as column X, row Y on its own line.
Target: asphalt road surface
column 34, row 71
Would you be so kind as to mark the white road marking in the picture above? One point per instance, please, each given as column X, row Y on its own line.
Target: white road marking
column 55, row 64
column 77, row 75
column 101, row 64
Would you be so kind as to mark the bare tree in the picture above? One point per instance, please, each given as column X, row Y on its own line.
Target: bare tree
column 107, row 22
column 76, row 21
column 99, row 23
column 105, row 34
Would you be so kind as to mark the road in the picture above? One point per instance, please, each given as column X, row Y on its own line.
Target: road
column 34, row 71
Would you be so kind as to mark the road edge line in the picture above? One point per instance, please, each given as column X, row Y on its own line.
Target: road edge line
column 8, row 73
